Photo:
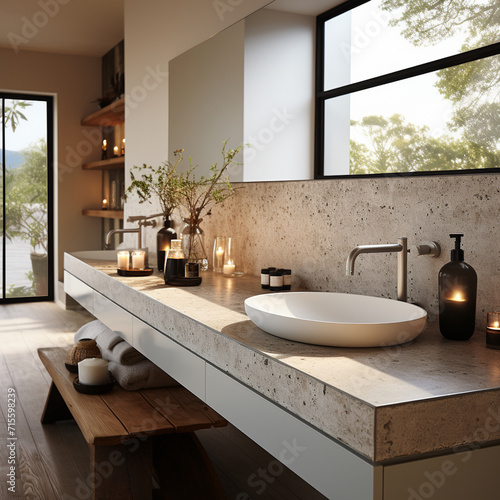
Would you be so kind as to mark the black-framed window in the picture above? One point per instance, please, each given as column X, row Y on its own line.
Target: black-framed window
column 26, row 161
column 408, row 86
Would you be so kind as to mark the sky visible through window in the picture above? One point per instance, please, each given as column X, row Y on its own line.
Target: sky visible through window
column 29, row 131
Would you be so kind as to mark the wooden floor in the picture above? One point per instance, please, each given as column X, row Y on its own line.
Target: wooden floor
column 52, row 461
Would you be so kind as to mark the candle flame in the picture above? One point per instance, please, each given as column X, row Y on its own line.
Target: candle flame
column 458, row 297
column 496, row 324
column 229, row 262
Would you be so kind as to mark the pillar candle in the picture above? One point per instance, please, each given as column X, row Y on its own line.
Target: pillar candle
column 138, row 258
column 229, row 268
column 123, row 259
column 93, row 371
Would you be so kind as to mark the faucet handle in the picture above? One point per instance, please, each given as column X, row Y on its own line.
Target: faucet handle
column 432, row 249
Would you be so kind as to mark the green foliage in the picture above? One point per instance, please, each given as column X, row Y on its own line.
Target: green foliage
column 23, row 291
column 430, row 21
column 393, row 145
column 163, row 182
column 27, row 198
column 397, row 146
column 175, row 188
column 13, row 114
column 473, row 88
column 198, row 195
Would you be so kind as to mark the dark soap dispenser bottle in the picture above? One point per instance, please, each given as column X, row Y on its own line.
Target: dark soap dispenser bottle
column 164, row 238
column 457, row 296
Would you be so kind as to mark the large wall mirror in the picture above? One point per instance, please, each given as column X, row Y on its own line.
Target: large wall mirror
column 398, row 89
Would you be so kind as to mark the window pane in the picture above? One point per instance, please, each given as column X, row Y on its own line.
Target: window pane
column 445, row 120
column 26, row 198
column 382, row 36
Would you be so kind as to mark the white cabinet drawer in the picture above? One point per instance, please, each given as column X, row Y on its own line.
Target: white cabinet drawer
column 81, row 292
column 180, row 363
column 114, row 317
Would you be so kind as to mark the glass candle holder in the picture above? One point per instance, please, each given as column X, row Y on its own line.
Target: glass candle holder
column 138, row 259
column 220, row 246
column 123, row 260
column 231, row 259
column 493, row 330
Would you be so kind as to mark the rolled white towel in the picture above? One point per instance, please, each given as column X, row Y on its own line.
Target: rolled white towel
column 91, row 330
column 141, row 375
column 108, row 339
column 122, row 353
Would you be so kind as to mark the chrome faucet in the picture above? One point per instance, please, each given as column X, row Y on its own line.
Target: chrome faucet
column 401, row 247
column 143, row 221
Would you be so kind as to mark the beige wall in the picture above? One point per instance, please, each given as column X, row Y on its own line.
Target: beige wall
column 74, row 81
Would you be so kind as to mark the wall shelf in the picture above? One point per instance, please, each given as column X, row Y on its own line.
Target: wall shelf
column 109, row 116
column 108, row 164
column 105, row 214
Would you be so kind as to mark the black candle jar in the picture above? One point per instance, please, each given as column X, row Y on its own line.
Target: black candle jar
column 493, row 330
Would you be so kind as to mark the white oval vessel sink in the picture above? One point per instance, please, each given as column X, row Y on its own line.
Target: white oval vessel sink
column 336, row 319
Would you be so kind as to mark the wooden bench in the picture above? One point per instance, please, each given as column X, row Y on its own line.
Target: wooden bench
column 135, row 436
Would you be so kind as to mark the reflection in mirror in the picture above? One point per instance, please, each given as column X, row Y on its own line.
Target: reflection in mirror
column 409, row 87
column 251, row 84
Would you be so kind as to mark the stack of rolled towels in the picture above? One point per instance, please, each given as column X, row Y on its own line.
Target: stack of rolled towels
column 130, row 368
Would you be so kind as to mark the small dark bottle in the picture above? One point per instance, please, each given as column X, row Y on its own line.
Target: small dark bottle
column 457, row 296
column 163, row 241
column 175, row 264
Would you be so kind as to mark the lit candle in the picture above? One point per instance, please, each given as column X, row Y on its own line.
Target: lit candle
column 104, row 148
column 138, row 258
column 105, row 204
column 93, row 371
column 219, row 253
column 493, row 330
column 229, row 267
column 115, row 150
column 457, row 297
column 123, row 259
column 123, row 146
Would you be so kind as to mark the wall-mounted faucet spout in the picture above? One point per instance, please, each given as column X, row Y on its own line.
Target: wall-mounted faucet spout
column 143, row 221
column 401, row 247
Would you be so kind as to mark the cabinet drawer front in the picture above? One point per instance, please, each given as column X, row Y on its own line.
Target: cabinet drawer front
column 180, row 363
column 81, row 292
column 114, row 317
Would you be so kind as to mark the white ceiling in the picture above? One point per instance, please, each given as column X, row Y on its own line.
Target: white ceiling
column 82, row 27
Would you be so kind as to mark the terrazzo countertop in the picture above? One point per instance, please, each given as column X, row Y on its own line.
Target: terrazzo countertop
column 389, row 403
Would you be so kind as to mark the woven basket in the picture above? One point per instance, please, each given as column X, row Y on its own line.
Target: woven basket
column 84, row 348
